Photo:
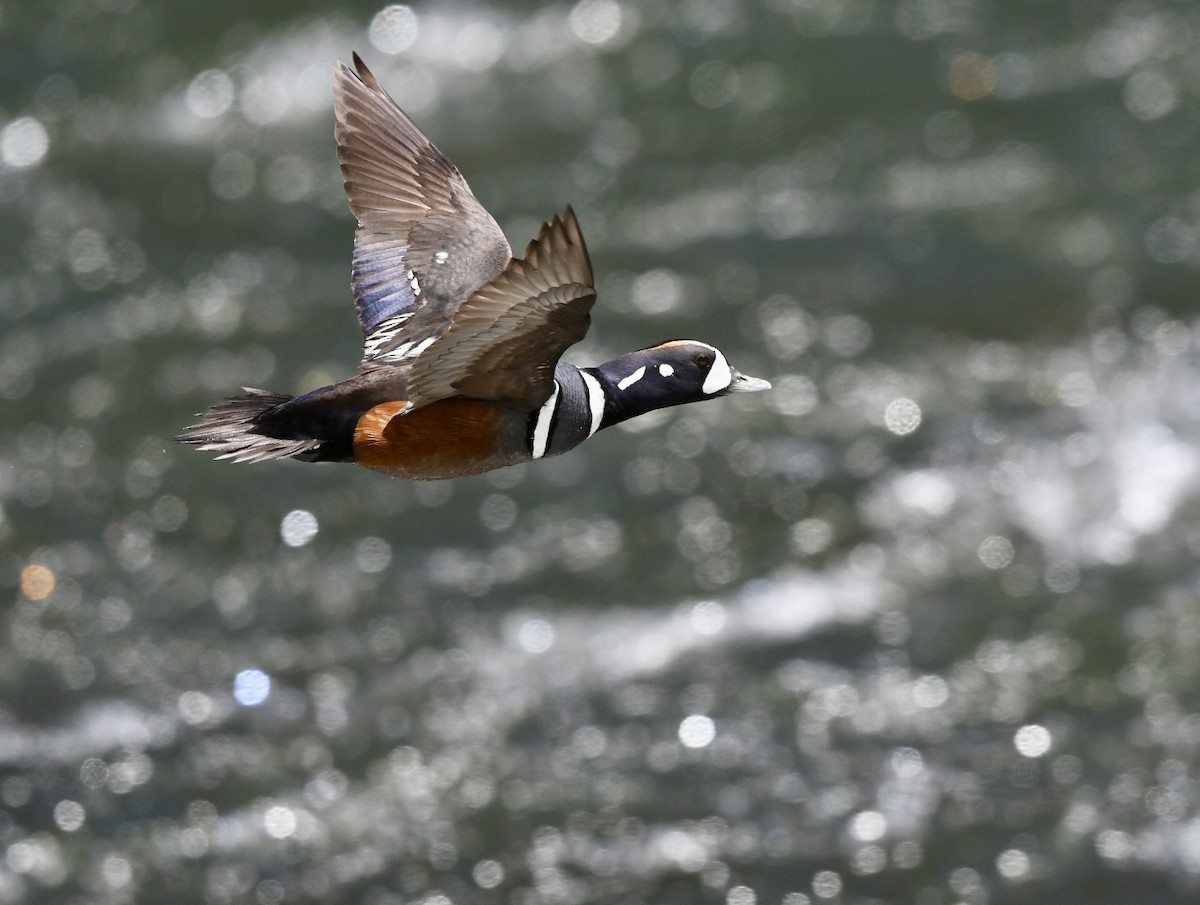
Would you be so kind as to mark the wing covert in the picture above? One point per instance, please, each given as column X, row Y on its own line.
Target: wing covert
column 504, row 341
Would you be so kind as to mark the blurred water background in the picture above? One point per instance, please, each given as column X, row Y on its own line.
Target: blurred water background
column 919, row 626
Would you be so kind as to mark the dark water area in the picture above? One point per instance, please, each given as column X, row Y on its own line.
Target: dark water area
column 921, row 625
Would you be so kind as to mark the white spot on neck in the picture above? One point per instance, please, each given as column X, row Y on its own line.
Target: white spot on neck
column 719, row 375
column 541, row 427
column 441, row 256
column 595, row 400
column 626, row 382
column 665, row 369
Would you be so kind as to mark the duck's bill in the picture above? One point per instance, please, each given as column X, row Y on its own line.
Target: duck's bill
column 743, row 384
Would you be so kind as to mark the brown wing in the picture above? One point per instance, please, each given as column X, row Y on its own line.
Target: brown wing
column 424, row 243
column 504, row 341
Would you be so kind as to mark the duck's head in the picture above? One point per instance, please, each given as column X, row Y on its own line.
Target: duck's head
column 670, row 373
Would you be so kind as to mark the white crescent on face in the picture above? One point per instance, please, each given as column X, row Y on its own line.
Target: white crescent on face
column 719, row 375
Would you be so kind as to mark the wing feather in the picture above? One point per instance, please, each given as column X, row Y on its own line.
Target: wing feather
column 424, row 242
column 503, row 342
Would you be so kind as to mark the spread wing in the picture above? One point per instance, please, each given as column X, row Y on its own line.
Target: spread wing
column 424, row 243
column 504, row 341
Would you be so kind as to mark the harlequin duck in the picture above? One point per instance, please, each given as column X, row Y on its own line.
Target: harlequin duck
column 461, row 369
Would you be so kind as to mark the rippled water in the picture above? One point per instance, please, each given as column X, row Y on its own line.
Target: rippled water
column 921, row 625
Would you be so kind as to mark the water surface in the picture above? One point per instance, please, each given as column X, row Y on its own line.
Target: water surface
column 921, row 625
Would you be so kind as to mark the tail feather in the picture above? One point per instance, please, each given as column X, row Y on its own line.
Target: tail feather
column 231, row 428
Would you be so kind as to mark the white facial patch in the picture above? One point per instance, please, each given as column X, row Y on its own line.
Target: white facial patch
column 541, row 427
column 626, row 382
column 665, row 369
column 595, row 400
column 440, row 257
column 719, row 375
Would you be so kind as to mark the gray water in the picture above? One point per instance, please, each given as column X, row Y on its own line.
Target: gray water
column 919, row 626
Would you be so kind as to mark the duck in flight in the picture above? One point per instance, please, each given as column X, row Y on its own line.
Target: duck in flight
column 461, row 370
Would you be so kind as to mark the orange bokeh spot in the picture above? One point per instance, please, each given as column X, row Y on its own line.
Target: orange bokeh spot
column 972, row 76
column 37, row 582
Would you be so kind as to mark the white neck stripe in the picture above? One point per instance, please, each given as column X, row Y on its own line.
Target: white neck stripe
column 541, row 426
column 595, row 400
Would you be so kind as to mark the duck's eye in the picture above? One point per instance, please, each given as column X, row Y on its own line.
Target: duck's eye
column 704, row 361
